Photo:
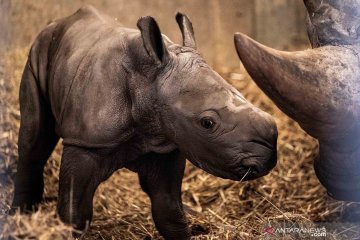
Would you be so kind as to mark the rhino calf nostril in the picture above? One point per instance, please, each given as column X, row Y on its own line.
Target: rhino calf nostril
column 262, row 143
column 254, row 170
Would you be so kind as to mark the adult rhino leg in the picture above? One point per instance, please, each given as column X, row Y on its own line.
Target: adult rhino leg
column 80, row 175
column 161, row 177
column 37, row 139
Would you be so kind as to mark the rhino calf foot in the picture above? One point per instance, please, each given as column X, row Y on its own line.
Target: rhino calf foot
column 26, row 202
column 169, row 217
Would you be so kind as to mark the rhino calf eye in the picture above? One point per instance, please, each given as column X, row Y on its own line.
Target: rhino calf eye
column 207, row 123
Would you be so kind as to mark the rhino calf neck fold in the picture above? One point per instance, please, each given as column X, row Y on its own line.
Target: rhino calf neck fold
column 123, row 97
column 319, row 88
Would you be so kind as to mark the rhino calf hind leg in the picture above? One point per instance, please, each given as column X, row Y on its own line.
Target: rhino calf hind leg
column 37, row 140
column 80, row 175
column 161, row 177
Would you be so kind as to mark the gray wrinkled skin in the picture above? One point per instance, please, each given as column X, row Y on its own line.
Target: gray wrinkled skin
column 122, row 97
column 319, row 88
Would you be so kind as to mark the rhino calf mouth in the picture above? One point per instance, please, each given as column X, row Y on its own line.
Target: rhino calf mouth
column 259, row 166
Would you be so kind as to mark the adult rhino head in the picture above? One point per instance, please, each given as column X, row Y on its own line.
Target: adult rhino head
column 319, row 88
column 203, row 115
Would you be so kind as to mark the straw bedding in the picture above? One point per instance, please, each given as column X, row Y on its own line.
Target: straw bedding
column 216, row 208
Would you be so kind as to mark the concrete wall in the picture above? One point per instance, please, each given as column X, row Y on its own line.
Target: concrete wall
column 277, row 23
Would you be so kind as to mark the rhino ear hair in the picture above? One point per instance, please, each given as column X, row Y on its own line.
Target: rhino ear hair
column 152, row 39
column 187, row 30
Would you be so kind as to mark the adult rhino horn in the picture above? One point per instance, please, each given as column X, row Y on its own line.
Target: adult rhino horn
column 314, row 87
column 319, row 88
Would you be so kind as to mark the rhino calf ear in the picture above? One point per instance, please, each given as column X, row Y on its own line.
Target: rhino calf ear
column 187, row 30
column 152, row 39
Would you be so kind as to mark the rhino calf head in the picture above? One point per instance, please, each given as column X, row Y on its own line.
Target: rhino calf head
column 203, row 115
column 121, row 97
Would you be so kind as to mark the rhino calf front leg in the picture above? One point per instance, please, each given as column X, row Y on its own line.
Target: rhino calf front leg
column 161, row 177
column 80, row 175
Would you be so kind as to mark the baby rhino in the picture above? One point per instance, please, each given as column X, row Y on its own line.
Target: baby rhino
column 121, row 97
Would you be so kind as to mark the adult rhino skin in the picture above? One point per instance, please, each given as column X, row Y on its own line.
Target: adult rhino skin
column 121, row 97
column 319, row 88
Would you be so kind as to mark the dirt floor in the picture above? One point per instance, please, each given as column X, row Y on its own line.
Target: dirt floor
column 216, row 208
